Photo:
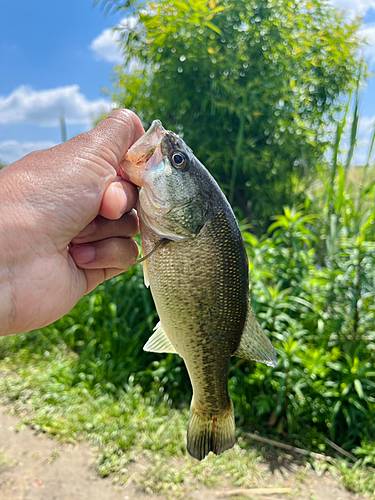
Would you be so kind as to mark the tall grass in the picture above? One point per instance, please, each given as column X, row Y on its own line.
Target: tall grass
column 313, row 288
column 312, row 277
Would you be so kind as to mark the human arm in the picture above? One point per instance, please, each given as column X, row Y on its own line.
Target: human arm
column 57, row 206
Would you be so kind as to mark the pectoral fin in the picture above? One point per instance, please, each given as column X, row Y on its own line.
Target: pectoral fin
column 159, row 342
column 254, row 344
column 158, row 245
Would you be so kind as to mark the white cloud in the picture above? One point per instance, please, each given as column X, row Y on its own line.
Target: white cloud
column 360, row 8
column 14, row 150
column 367, row 32
column 44, row 107
column 106, row 46
column 366, row 123
column 354, row 7
column 365, row 133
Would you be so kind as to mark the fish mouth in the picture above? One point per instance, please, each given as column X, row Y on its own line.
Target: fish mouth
column 142, row 151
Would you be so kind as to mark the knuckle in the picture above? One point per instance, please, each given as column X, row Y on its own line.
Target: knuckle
column 121, row 114
column 132, row 224
column 126, row 115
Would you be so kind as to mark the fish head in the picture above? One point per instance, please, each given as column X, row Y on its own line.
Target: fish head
column 171, row 200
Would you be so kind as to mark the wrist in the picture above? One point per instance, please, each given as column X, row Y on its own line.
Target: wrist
column 11, row 248
column 6, row 292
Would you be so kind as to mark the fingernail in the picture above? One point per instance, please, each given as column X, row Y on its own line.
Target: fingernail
column 83, row 254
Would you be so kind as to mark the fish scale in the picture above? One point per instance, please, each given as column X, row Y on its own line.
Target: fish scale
column 203, row 306
column 197, row 270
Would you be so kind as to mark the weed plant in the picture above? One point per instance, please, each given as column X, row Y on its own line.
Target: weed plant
column 312, row 278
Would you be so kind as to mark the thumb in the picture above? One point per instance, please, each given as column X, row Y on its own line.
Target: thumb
column 64, row 185
column 89, row 162
column 112, row 137
column 96, row 157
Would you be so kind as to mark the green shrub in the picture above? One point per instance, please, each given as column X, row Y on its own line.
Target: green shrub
column 312, row 279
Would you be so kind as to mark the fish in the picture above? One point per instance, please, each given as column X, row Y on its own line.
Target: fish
column 195, row 262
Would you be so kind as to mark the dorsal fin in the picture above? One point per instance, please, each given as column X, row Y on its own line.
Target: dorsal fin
column 159, row 342
column 254, row 344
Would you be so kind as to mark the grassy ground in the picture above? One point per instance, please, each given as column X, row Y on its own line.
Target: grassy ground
column 129, row 428
column 124, row 426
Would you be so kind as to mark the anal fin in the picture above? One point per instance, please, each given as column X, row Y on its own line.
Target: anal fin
column 159, row 342
column 145, row 274
column 254, row 344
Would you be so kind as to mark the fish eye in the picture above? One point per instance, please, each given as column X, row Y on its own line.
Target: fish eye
column 179, row 159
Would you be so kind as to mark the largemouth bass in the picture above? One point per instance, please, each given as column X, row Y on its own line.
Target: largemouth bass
column 197, row 269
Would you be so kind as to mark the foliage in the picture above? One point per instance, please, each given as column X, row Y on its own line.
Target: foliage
column 320, row 319
column 313, row 289
column 107, row 330
column 312, row 278
column 262, row 79
column 321, row 322
column 312, row 272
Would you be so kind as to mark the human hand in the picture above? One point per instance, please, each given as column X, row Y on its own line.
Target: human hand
column 66, row 223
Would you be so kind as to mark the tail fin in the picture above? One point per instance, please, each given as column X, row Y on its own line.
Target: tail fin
column 208, row 432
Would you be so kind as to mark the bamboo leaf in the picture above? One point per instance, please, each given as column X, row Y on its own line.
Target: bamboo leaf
column 358, row 388
column 340, row 190
column 339, row 132
column 369, row 155
column 354, row 129
column 213, row 27
column 183, row 6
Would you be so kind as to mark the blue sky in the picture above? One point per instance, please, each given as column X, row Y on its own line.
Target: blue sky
column 47, row 65
column 56, row 56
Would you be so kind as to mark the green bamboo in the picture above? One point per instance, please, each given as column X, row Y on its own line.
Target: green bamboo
column 353, row 131
column 339, row 132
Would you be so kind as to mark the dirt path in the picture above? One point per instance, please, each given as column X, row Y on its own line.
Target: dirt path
column 34, row 467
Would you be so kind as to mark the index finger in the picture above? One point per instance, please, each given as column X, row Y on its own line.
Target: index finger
column 119, row 197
